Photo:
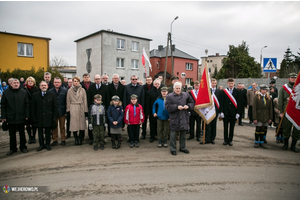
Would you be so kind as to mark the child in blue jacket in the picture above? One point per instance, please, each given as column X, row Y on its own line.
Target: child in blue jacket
column 163, row 120
column 115, row 115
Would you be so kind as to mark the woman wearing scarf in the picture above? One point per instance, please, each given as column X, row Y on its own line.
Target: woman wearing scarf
column 77, row 110
column 30, row 126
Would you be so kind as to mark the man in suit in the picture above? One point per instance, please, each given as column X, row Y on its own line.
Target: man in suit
column 148, row 86
column 116, row 88
column 61, row 95
column 70, row 83
column 230, row 109
column 195, row 116
column 98, row 88
column 243, row 92
column 44, row 113
column 211, row 128
column 47, row 79
column 250, row 97
column 151, row 97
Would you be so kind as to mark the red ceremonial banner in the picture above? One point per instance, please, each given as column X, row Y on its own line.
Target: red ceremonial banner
column 204, row 95
column 293, row 107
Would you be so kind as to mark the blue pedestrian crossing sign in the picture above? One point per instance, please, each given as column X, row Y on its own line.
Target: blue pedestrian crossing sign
column 270, row 65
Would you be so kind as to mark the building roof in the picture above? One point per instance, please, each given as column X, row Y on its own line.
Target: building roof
column 111, row 32
column 25, row 35
column 161, row 52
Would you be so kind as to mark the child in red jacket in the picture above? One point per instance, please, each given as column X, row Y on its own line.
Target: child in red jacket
column 133, row 117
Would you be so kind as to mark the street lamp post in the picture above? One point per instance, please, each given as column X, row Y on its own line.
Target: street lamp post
column 261, row 55
column 171, row 46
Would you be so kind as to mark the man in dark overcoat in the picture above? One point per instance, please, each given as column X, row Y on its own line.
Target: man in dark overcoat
column 15, row 111
column 44, row 113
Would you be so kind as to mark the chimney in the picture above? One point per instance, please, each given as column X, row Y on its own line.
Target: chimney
column 173, row 47
column 160, row 47
column 217, row 54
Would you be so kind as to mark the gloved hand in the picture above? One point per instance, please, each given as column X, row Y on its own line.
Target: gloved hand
column 222, row 115
column 91, row 126
column 106, row 125
column 237, row 116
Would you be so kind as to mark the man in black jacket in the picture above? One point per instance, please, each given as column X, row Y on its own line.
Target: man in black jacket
column 148, row 86
column 97, row 88
column 116, row 88
column 15, row 111
column 243, row 92
column 44, row 113
column 61, row 96
column 133, row 88
column 151, row 97
column 211, row 128
column 230, row 109
column 195, row 116
column 47, row 79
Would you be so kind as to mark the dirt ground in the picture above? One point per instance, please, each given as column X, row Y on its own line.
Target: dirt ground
column 208, row 172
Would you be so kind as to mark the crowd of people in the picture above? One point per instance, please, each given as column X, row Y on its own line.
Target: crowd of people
column 74, row 105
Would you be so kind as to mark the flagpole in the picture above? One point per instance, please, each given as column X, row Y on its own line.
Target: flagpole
column 204, row 132
column 282, row 117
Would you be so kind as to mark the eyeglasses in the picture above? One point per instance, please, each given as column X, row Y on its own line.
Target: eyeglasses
column 134, row 79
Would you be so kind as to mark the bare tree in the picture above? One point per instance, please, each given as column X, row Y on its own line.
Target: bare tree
column 58, row 62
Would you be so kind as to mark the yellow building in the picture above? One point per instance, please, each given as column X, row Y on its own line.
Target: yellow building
column 23, row 51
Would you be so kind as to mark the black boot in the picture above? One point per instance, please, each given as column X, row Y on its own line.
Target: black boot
column 118, row 145
column 286, row 144
column 113, row 144
column 76, row 138
column 81, row 137
column 293, row 146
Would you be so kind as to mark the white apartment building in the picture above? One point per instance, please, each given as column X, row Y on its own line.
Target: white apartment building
column 108, row 52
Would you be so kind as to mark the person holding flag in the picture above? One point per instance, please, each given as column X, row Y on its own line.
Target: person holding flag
column 289, row 99
column 230, row 109
column 194, row 115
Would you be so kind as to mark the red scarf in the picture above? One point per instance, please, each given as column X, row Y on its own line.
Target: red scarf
column 29, row 87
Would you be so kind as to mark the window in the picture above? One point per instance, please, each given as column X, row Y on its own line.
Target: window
column 135, row 46
column 25, row 50
column 120, row 44
column 188, row 66
column 134, row 64
column 188, row 81
column 120, row 62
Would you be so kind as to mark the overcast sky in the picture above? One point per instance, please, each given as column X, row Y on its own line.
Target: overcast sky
column 201, row 25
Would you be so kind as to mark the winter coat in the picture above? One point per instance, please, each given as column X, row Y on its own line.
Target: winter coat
column 250, row 96
column 44, row 109
column 151, row 97
column 160, row 109
column 96, row 114
column 61, row 97
column 260, row 112
column 282, row 97
column 129, row 115
column 15, row 106
column 179, row 119
column 77, row 106
column 115, row 113
column 119, row 92
column 137, row 90
column 30, row 92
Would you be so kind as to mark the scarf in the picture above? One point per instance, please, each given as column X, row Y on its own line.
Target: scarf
column 75, row 88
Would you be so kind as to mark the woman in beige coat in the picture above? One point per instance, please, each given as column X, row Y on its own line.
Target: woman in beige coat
column 77, row 109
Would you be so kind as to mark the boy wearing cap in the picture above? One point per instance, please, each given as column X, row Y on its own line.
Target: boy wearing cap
column 163, row 120
column 96, row 119
column 284, row 97
column 262, row 111
column 134, row 116
column 115, row 117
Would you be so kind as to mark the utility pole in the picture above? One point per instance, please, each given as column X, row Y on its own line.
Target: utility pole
column 165, row 73
column 172, row 59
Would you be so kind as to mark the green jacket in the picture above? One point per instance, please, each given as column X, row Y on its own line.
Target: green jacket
column 262, row 113
column 282, row 98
